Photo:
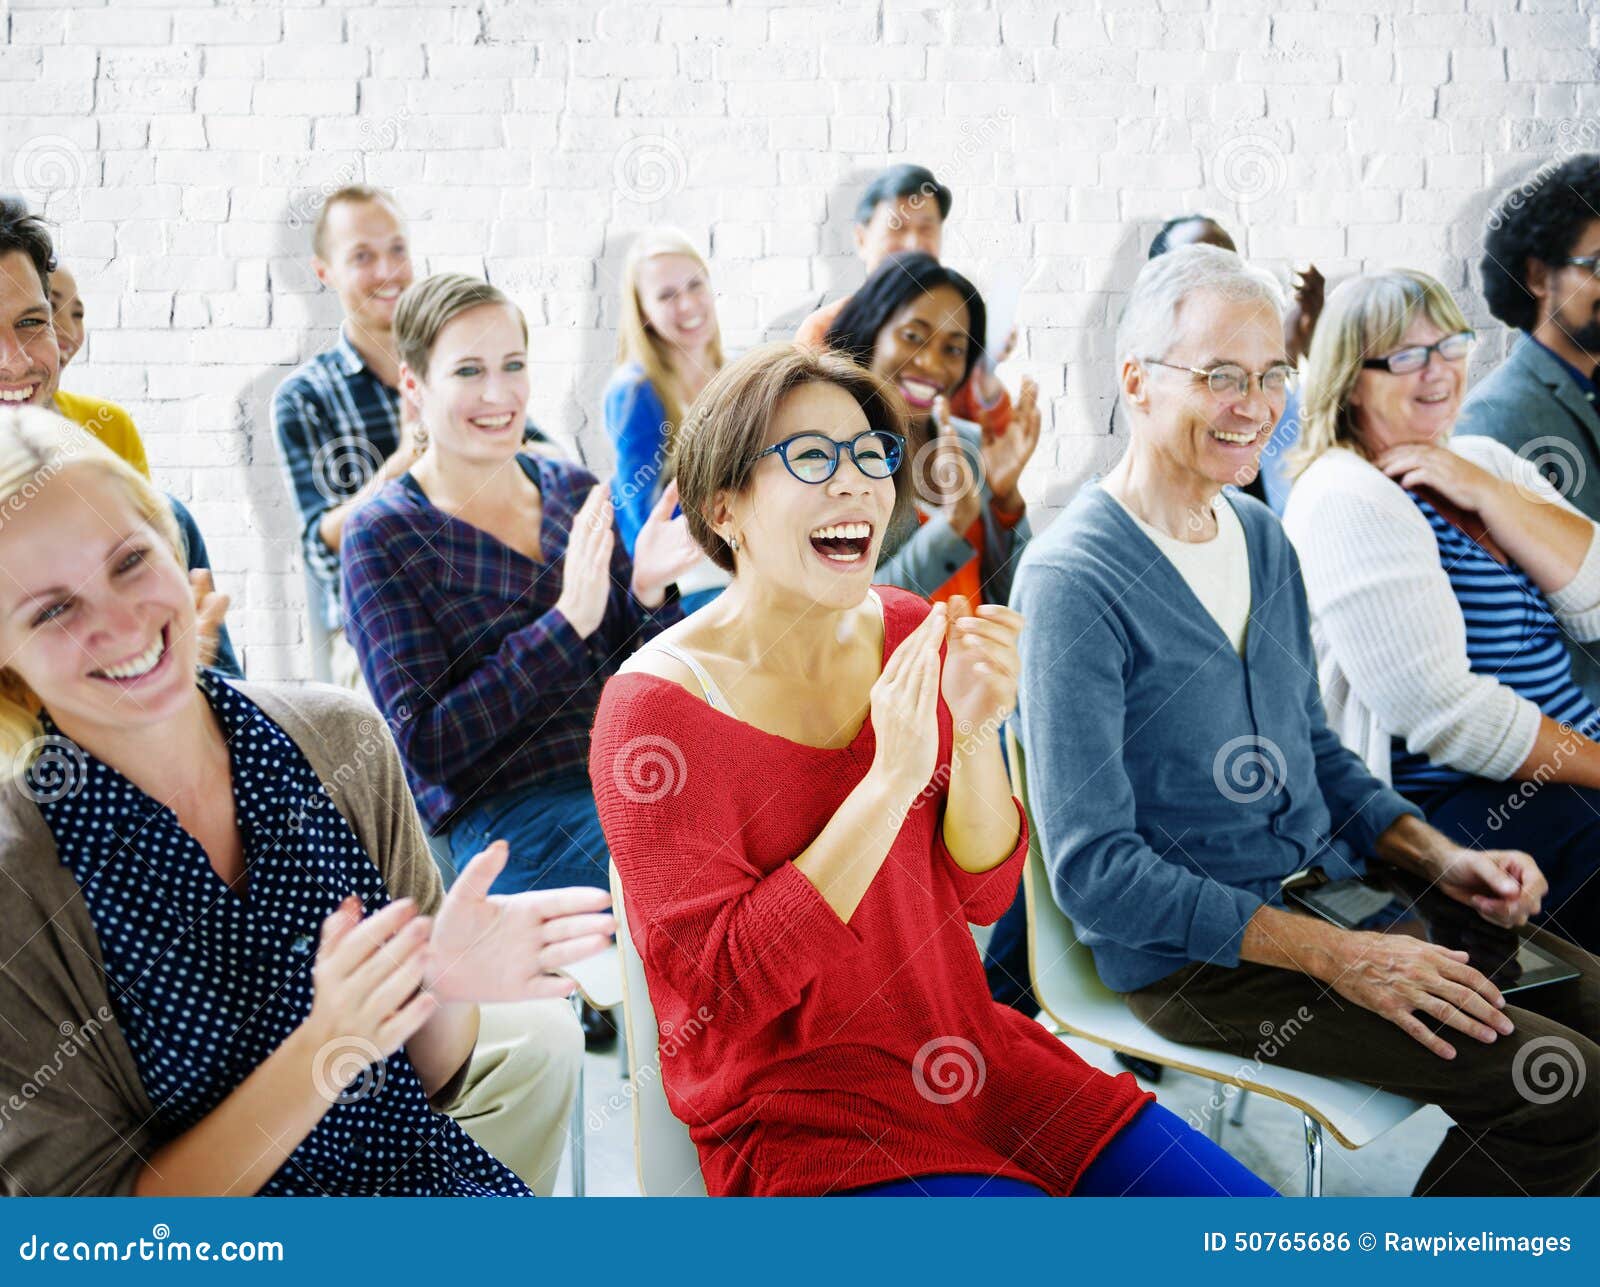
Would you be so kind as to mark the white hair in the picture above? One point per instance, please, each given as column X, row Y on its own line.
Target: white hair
column 1149, row 324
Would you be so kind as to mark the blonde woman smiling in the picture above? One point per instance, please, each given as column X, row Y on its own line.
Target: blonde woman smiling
column 669, row 345
column 235, row 874
column 1442, row 573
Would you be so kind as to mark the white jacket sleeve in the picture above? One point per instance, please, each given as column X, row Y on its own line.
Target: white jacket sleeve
column 1576, row 604
column 1388, row 615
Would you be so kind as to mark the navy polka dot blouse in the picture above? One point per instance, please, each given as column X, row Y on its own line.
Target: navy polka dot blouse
column 207, row 982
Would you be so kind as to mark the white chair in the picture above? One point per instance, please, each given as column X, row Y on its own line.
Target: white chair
column 664, row 1155
column 1078, row 1004
column 599, row 980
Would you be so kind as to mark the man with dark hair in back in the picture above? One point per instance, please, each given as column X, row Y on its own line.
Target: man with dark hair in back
column 1541, row 276
column 904, row 208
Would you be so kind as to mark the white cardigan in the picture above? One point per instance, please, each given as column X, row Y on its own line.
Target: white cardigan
column 1390, row 639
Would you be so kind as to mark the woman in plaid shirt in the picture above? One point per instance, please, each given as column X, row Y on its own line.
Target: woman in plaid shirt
column 489, row 598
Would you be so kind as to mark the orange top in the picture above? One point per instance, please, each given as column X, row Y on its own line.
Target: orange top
column 968, row 578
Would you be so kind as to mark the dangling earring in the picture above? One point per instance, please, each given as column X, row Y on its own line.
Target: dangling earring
column 733, row 543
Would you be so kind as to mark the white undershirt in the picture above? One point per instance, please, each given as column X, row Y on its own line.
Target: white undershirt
column 1217, row 571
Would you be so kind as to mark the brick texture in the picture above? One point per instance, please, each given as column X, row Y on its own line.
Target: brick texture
column 179, row 148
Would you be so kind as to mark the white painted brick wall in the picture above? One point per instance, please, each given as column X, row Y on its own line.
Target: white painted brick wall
column 183, row 144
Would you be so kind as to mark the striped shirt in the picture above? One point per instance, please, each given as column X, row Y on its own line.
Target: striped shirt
column 486, row 684
column 1512, row 635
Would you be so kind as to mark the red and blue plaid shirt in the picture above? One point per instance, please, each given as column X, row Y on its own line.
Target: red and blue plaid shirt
column 484, row 682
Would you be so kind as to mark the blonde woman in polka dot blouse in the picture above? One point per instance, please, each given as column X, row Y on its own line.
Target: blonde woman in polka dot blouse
column 230, row 963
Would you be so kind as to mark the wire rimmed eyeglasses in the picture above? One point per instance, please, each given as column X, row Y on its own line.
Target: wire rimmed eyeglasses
column 1232, row 381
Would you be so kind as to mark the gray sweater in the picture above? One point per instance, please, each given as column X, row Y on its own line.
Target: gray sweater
column 74, row 1117
column 1173, row 783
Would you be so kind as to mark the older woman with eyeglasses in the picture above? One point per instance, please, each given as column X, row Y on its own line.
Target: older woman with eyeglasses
column 803, row 791
column 1442, row 573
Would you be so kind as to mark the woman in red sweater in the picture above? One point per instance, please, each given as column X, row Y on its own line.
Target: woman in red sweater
column 803, row 839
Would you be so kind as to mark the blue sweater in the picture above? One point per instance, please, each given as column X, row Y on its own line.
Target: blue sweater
column 1174, row 784
column 637, row 423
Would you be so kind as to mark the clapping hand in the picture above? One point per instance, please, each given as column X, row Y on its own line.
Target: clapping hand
column 905, row 710
column 1006, row 455
column 664, row 550
column 209, row 609
column 503, row 947
column 1301, row 320
column 949, row 481
column 982, row 664
column 586, row 569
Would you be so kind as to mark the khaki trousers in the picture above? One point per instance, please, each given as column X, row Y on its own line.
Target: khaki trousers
column 517, row 1097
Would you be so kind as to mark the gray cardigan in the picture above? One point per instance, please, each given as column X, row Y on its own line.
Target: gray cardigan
column 1173, row 783
column 1531, row 404
column 74, row 1117
column 921, row 559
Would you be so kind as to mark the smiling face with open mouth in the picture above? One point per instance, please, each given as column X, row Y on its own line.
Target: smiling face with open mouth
column 675, row 298
column 474, row 397
column 818, row 540
column 922, row 350
column 1419, row 406
column 367, row 260
column 96, row 615
column 30, row 360
column 1218, row 437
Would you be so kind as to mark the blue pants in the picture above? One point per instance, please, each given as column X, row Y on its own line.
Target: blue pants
column 1156, row 1155
column 1005, row 964
column 1557, row 823
column 554, row 834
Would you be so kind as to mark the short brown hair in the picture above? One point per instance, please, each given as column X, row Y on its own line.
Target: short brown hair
column 351, row 192
column 428, row 306
column 715, row 448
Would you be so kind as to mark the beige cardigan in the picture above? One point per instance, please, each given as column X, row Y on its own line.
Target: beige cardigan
column 74, row 1117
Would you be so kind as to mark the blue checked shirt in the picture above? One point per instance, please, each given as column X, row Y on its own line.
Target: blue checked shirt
column 484, row 681
column 336, row 422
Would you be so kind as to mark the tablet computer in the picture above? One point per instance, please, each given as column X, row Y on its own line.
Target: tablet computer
column 1400, row 904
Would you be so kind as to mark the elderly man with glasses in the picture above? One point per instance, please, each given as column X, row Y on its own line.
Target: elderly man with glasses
column 1180, row 768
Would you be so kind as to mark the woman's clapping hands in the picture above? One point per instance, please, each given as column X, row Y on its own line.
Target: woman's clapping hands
column 505, row 947
column 380, row 978
column 586, row 569
column 664, row 550
column 977, row 679
column 982, row 665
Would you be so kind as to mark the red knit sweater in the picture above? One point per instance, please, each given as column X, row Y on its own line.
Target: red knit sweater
column 808, row 1054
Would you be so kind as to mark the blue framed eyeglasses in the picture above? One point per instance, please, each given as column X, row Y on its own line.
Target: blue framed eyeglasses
column 813, row 457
